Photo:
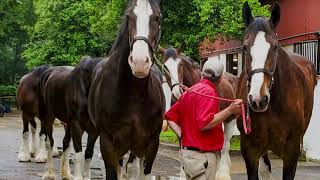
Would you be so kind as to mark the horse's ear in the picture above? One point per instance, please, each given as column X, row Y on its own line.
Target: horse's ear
column 246, row 14
column 179, row 50
column 161, row 50
column 275, row 15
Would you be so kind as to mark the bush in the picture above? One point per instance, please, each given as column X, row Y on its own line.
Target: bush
column 7, row 90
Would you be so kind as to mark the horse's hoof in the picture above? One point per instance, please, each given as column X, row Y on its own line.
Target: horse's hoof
column 24, row 157
column 48, row 177
column 77, row 178
column 55, row 151
column 41, row 157
column 222, row 177
column 33, row 150
column 67, row 177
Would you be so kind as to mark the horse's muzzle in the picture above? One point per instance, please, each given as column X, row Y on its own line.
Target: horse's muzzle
column 259, row 104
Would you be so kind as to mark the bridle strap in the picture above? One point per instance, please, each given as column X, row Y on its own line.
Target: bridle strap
column 141, row 38
column 266, row 71
column 174, row 85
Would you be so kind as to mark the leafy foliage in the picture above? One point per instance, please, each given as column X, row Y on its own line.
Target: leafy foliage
column 7, row 91
column 190, row 22
column 15, row 16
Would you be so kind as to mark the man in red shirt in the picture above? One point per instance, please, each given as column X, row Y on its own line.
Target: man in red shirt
column 198, row 123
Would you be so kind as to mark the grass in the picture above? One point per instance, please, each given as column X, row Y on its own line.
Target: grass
column 171, row 138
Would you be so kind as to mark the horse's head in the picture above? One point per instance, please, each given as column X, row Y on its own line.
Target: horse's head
column 144, row 34
column 260, row 50
column 173, row 63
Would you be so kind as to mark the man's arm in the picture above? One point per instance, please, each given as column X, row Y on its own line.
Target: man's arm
column 172, row 117
column 233, row 108
column 175, row 128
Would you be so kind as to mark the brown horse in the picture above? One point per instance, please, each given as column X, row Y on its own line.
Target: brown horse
column 278, row 88
column 52, row 89
column 77, row 87
column 31, row 103
column 184, row 70
column 126, row 101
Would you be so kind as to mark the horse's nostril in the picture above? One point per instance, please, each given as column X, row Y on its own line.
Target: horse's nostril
column 250, row 98
column 265, row 99
column 147, row 60
column 131, row 59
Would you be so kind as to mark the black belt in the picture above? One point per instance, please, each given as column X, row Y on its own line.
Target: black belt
column 191, row 148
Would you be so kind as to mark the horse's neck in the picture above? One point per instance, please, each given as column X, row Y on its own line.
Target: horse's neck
column 126, row 83
column 191, row 74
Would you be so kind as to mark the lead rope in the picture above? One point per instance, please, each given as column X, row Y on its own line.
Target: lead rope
column 246, row 121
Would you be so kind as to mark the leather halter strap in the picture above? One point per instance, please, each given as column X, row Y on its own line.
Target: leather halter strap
column 266, row 71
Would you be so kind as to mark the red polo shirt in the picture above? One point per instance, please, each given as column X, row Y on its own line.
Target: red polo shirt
column 193, row 112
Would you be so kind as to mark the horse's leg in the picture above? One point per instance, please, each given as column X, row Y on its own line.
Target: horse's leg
column 251, row 158
column 290, row 161
column 77, row 133
column 24, row 155
column 132, row 167
column 33, row 146
column 65, row 167
column 149, row 158
column 265, row 167
column 48, row 125
column 224, row 165
column 92, row 138
column 42, row 154
column 110, row 157
column 55, row 151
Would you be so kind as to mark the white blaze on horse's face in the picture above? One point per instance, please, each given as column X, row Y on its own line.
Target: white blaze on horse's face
column 139, row 59
column 172, row 65
column 259, row 95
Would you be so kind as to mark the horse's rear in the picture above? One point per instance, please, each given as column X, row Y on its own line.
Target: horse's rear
column 30, row 102
column 53, row 91
column 78, row 84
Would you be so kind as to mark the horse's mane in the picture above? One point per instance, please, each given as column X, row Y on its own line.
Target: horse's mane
column 190, row 61
column 124, row 28
column 39, row 70
column 88, row 63
column 259, row 23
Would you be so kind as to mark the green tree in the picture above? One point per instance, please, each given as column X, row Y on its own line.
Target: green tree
column 15, row 16
column 67, row 30
column 190, row 22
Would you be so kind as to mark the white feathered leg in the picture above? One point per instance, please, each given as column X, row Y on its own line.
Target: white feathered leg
column 24, row 155
column 33, row 146
column 42, row 154
column 224, row 165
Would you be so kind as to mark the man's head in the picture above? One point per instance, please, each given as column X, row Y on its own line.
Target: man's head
column 212, row 70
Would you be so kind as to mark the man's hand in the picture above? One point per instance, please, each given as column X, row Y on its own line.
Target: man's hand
column 235, row 107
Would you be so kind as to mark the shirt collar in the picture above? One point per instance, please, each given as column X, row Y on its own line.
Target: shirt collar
column 208, row 82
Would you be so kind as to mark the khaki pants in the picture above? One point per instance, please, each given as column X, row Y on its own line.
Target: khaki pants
column 199, row 165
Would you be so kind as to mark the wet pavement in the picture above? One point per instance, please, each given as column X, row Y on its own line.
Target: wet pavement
column 166, row 164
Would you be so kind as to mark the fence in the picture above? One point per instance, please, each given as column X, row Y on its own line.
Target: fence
column 311, row 51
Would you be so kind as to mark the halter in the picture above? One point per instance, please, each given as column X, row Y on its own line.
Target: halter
column 266, row 71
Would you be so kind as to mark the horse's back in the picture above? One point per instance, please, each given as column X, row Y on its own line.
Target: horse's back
column 307, row 68
column 54, row 91
column 28, row 91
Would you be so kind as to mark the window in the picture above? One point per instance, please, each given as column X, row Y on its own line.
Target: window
column 232, row 63
column 311, row 51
